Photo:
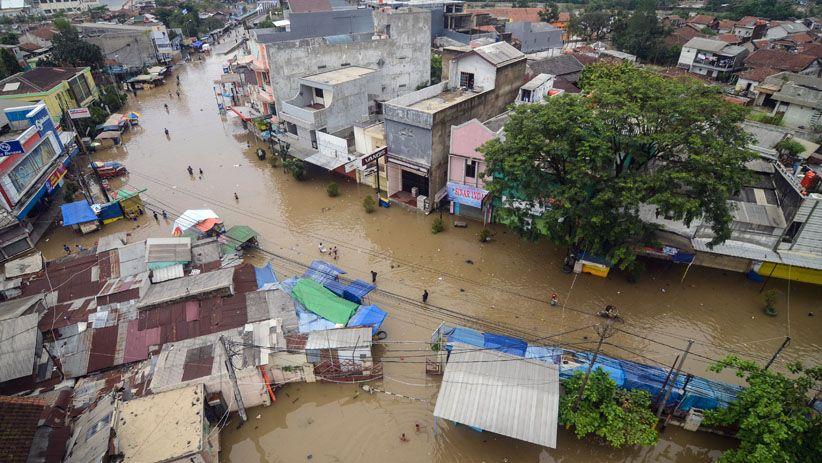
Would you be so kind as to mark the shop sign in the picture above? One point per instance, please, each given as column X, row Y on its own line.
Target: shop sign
column 466, row 194
column 369, row 158
column 10, row 147
column 79, row 113
column 55, row 177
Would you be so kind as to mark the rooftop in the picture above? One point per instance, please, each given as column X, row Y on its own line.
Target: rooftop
column 499, row 53
column 18, row 345
column 501, row 393
column 18, row 423
column 779, row 59
column 36, row 80
column 339, row 76
column 715, row 46
column 305, row 6
column 187, row 287
column 339, row 338
column 162, row 427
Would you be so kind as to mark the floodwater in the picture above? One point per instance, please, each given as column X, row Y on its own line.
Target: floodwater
column 504, row 285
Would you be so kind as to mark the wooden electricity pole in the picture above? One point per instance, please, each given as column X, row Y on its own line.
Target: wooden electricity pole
column 778, row 351
column 233, row 377
column 604, row 331
column 673, row 380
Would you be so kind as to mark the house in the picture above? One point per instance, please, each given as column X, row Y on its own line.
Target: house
column 798, row 97
column 750, row 28
column 370, row 145
column 799, row 63
column 477, row 83
column 34, row 158
column 567, row 67
column 784, row 28
column 178, row 416
column 751, row 78
column 725, row 26
column 535, row 37
column 131, row 46
column 57, row 87
column 34, row 429
column 40, row 36
column 703, row 21
column 537, row 89
column 679, row 37
column 340, row 351
column 712, row 58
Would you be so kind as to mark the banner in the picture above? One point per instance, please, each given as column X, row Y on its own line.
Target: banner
column 79, row 113
column 466, row 194
column 55, row 177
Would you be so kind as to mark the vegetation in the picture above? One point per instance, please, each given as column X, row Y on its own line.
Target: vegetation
column 9, row 38
column 69, row 190
column 592, row 161
column 484, row 235
column 369, row 204
column 549, row 13
column 333, row 189
column 437, row 226
column 8, row 64
column 186, row 16
column 436, row 68
column 757, row 116
column 771, row 413
column 618, row 416
column 592, row 24
column 642, row 35
column 520, row 4
column 70, row 50
column 789, row 149
column 296, row 167
column 266, row 23
column 770, row 302
column 736, row 9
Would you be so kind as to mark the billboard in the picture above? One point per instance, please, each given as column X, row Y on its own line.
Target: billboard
column 466, row 194
column 10, row 147
column 79, row 113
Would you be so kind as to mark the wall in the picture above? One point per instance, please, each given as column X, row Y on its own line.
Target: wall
column 409, row 142
column 403, row 59
column 349, row 104
column 796, row 116
column 54, row 6
column 534, row 40
column 131, row 49
column 485, row 74
column 686, row 57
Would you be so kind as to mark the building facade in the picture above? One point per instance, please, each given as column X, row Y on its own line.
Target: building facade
column 131, row 46
column 65, row 6
column 712, row 58
column 59, row 88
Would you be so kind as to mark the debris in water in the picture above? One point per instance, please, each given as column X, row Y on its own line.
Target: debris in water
column 259, row 416
column 462, row 290
column 309, row 456
column 469, row 261
column 295, row 400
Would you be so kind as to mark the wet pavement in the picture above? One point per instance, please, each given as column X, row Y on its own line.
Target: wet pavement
column 504, row 284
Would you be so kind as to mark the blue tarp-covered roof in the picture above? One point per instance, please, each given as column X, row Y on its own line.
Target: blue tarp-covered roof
column 545, row 354
column 110, row 211
column 265, row 276
column 505, row 344
column 354, row 291
column 77, row 212
column 465, row 336
column 368, row 315
column 310, row 321
column 322, row 272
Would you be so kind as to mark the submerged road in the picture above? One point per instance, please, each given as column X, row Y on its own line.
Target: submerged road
column 505, row 283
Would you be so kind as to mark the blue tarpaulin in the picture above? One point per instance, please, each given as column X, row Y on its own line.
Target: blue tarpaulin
column 505, row 344
column 544, row 354
column 77, row 212
column 265, row 276
column 309, row 321
column 465, row 336
column 322, row 272
column 354, row 291
column 368, row 315
column 110, row 211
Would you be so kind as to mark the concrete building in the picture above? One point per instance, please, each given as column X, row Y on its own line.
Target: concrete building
column 478, row 83
column 59, row 88
column 712, row 58
column 785, row 28
column 398, row 49
column 535, row 37
column 34, row 158
column 39, row 36
column 369, row 138
column 797, row 97
column 15, row 7
column 750, row 28
column 65, row 6
column 537, row 89
column 131, row 46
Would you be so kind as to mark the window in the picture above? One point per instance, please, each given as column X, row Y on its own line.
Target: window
column 526, row 96
column 467, row 79
column 291, row 128
column 322, row 66
column 470, row 169
column 345, row 64
column 79, row 87
column 318, row 92
column 29, row 169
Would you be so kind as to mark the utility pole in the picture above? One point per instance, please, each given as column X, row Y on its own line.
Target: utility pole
column 673, row 380
column 233, row 377
column 604, row 332
column 778, row 351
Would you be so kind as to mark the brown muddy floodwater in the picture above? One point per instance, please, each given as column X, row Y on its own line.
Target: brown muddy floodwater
column 505, row 282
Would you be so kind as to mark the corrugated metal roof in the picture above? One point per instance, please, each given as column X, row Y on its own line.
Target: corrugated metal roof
column 339, row 338
column 205, row 250
column 90, row 438
column 501, row 393
column 168, row 249
column 113, row 241
column 132, row 259
column 701, row 43
column 187, row 287
column 737, row 249
column 73, row 353
column 16, row 307
column 18, row 346
column 167, row 273
column 499, row 53
column 24, row 265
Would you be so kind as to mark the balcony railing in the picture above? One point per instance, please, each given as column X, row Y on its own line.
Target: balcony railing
column 723, row 65
column 312, row 118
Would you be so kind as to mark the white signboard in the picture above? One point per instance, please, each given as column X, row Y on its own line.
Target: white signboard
column 332, row 146
column 79, row 113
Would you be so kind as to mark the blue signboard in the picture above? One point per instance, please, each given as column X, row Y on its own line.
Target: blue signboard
column 41, row 119
column 9, row 147
column 466, row 194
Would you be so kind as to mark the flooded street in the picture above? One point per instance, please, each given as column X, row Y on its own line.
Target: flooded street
column 502, row 285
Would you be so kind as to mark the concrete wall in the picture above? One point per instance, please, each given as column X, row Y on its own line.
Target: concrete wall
column 533, row 40
column 348, row 105
column 403, row 58
column 797, row 116
column 133, row 50
column 324, row 23
column 409, row 142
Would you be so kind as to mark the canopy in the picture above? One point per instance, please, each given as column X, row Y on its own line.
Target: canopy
column 191, row 218
column 77, row 212
column 368, row 315
column 109, row 134
column 236, row 236
column 323, row 302
column 265, row 276
column 133, row 115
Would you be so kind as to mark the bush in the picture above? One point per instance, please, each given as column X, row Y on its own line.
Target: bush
column 274, row 160
column 369, row 204
column 333, row 189
column 296, row 168
column 484, row 235
column 770, row 302
column 69, row 190
column 765, row 118
column 437, row 226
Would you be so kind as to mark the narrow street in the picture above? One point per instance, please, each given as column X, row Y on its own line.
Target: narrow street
column 506, row 283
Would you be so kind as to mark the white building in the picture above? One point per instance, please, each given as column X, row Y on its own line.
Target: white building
column 65, row 6
column 712, row 58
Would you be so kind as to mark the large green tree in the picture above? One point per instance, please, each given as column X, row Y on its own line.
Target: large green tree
column 633, row 138
column 618, row 416
column 770, row 9
column 68, row 49
column 8, row 64
column 549, row 13
column 640, row 33
column 775, row 424
column 591, row 24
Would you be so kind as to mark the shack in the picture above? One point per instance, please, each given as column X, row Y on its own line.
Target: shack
column 340, row 353
column 80, row 216
column 237, row 238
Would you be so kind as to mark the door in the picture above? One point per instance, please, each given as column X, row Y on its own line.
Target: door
column 410, row 180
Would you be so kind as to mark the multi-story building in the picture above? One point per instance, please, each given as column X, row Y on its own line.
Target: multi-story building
column 712, row 58
column 131, row 46
column 477, row 84
column 59, row 88
column 750, row 28
column 65, row 6
column 34, row 158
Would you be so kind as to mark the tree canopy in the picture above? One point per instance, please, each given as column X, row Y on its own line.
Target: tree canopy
column 770, row 9
column 641, row 34
column 9, row 65
column 591, row 24
column 618, row 416
column 68, row 49
column 775, row 423
column 549, row 13
column 577, row 169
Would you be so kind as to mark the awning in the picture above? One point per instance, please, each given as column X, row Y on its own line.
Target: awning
column 77, row 212
column 323, row 302
column 245, row 112
column 191, row 218
column 108, row 135
column 326, row 161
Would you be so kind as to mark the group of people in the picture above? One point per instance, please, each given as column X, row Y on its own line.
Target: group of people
column 333, row 252
column 67, row 248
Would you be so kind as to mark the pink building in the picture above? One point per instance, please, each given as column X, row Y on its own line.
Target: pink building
column 466, row 167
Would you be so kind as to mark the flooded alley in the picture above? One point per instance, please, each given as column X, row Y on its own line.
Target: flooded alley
column 503, row 285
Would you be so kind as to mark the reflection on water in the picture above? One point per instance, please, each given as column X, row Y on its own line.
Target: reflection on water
column 505, row 282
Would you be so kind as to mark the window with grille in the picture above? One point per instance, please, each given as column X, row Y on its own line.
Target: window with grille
column 467, row 79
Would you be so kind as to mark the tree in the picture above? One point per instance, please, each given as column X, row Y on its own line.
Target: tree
column 788, row 149
column 771, row 9
column 586, row 164
column 436, row 69
column 775, row 424
column 265, row 24
column 590, row 25
column 521, row 4
column 640, row 34
column 9, row 38
column 9, row 65
column 549, row 13
column 68, row 49
column 618, row 416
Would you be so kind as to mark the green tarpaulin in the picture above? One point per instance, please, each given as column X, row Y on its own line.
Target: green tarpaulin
column 236, row 236
column 314, row 297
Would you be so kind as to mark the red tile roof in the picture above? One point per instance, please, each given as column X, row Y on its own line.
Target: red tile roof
column 701, row 19
column 779, row 59
column 748, row 21
column 528, row 15
column 45, row 33
column 733, row 39
column 18, row 423
column 681, row 36
column 813, row 49
column 726, row 24
column 305, row 6
column 757, row 74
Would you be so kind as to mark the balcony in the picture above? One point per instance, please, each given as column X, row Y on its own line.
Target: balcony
column 311, row 117
column 719, row 64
